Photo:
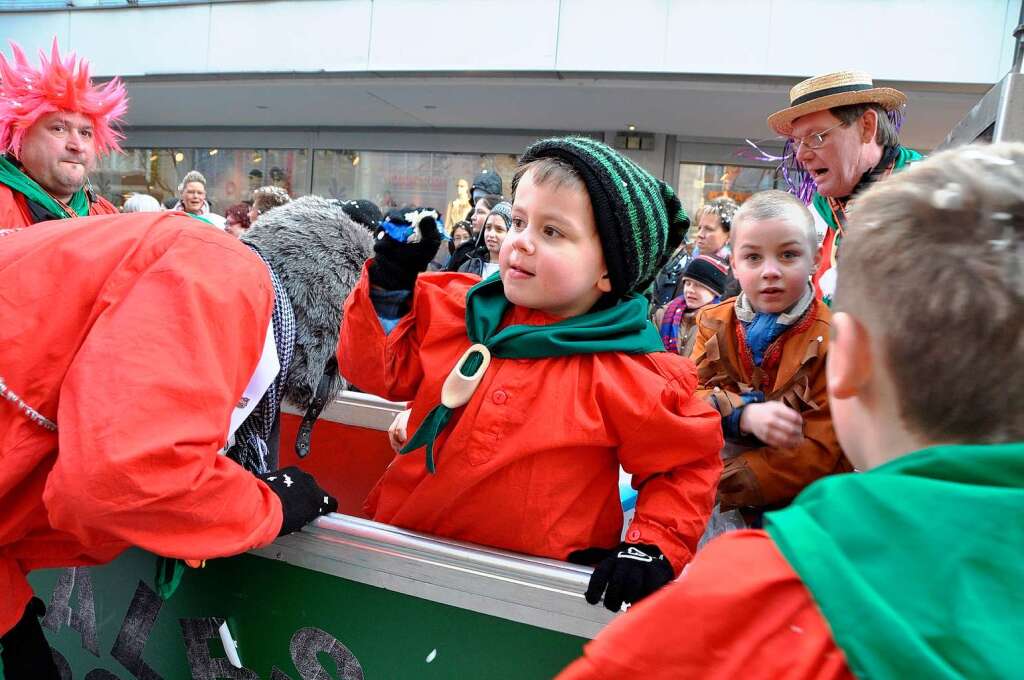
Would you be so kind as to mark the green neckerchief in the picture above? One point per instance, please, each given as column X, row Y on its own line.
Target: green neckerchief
column 904, row 157
column 621, row 328
column 12, row 176
column 917, row 565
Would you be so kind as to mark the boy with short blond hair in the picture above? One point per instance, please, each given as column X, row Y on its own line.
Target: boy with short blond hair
column 761, row 361
column 913, row 568
column 531, row 387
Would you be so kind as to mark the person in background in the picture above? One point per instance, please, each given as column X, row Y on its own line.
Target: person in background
column 236, row 219
column 487, row 182
column 192, row 199
column 761, row 362
column 54, row 124
column 713, row 221
column 842, row 135
column 481, row 209
column 266, row 198
column 704, row 281
column 141, row 203
column 484, row 260
column 910, row 569
column 460, row 233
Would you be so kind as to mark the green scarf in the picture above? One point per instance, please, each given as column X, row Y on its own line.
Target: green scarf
column 917, row 565
column 12, row 176
column 621, row 328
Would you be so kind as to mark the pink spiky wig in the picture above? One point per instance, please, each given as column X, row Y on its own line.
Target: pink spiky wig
column 27, row 94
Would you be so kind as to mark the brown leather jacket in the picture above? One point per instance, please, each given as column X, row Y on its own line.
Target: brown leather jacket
column 792, row 371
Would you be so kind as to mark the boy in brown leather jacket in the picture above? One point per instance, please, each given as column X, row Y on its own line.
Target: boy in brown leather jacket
column 761, row 361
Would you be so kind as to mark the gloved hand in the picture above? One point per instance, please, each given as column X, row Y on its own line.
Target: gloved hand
column 302, row 499
column 396, row 263
column 26, row 653
column 630, row 573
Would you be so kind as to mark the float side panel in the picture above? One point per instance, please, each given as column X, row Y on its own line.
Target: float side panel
column 266, row 603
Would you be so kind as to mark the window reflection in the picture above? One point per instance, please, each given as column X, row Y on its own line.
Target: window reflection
column 396, row 178
column 231, row 174
column 699, row 182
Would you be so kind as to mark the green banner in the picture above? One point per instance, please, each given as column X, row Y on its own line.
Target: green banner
column 289, row 622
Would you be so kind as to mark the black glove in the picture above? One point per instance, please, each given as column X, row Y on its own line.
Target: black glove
column 26, row 653
column 396, row 264
column 302, row 499
column 630, row 572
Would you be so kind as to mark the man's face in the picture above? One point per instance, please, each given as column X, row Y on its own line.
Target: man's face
column 59, row 151
column 836, row 167
column 193, row 197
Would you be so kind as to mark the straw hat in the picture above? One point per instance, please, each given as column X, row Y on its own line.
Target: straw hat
column 830, row 90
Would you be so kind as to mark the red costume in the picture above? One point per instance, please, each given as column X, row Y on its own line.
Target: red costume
column 706, row 625
column 531, row 463
column 134, row 336
column 14, row 212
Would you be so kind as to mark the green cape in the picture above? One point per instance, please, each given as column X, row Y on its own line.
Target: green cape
column 917, row 565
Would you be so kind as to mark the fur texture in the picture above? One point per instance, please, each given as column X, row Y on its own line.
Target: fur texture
column 318, row 253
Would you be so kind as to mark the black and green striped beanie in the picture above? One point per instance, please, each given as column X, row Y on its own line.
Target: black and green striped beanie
column 639, row 218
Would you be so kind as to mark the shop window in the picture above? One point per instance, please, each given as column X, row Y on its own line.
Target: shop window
column 699, row 182
column 231, row 174
column 393, row 179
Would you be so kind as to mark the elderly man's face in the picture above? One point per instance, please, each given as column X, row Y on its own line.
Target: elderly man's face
column 839, row 164
column 58, row 152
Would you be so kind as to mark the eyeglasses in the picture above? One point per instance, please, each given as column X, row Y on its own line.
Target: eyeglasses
column 815, row 141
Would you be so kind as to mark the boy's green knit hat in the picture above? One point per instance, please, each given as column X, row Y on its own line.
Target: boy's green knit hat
column 639, row 218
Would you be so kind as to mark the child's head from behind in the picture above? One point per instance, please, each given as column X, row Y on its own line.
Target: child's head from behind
column 587, row 224
column 704, row 280
column 774, row 250
column 928, row 331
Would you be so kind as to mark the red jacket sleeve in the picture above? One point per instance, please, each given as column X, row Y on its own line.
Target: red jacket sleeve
column 145, row 405
column 383, row 364
column 672, row 452
column 739, row 611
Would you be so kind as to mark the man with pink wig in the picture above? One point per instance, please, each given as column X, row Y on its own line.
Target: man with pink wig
column 54, row 123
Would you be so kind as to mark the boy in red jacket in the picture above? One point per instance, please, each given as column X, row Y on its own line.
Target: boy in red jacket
column 911, row 569
column 530, row 388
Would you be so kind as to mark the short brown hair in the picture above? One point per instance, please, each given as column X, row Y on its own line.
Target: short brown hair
column 933, row 264
column 547, row 170
column 885, row 134
column 773, row 204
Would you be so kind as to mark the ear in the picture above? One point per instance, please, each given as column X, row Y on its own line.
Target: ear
column 868, row 126
column 848, row 366
column 604, row 284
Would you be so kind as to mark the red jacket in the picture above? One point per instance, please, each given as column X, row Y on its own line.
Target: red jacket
column 136, row 335
column 531, row 463
column 14, row 212
column 739, row 611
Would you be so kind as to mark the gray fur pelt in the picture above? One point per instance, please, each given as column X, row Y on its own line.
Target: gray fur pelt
column 318, row 253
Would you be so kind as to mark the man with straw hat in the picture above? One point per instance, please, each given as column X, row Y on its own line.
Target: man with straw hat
column 842, row 135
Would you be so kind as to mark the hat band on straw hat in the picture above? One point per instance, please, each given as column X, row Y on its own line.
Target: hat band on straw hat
column 817, row 94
